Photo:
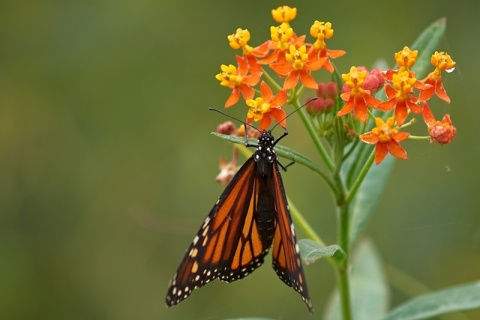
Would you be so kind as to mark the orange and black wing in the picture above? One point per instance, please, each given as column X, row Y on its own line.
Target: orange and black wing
column 228, row 245
column 286, row 254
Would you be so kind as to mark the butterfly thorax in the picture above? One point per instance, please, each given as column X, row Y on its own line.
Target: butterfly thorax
column 265, row 156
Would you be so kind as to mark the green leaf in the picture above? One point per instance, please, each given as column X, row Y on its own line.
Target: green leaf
column 458, row 298
column 281, row 151
column 312, row 251
column 426, row 44
column 368, row 196
column 368, row 287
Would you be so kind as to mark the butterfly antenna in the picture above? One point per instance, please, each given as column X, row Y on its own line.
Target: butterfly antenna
column 288, row 115
column 233, row 118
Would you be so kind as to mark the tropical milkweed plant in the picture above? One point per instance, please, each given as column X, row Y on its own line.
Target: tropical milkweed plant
column 357, row 122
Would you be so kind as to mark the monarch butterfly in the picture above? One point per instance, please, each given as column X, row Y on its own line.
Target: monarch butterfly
column 238, row 232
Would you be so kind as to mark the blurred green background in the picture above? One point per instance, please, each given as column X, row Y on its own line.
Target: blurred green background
column 107, row 166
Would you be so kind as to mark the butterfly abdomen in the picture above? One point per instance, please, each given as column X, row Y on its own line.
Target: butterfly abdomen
column 265, row 213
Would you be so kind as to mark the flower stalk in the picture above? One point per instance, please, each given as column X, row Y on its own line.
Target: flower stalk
column 348, row 115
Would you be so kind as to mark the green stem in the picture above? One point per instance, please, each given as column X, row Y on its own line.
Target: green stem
column 342, row 269
column 419, row 137
column 303, row 224
column 272, row 81
column 315, row 138
column 360, row 178
column 343, row 224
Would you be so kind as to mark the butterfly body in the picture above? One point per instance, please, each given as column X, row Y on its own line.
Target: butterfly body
column 250, row 215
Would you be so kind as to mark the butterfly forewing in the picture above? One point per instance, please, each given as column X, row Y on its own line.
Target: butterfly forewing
column 228, row 245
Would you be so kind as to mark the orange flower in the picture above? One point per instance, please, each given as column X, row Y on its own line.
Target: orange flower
column 406, row 58
column 441, row 132
column 238, row 80
column 357, row 98
column 284, row 14
column 441, row 61
column 281, row 38
column 386, row 138
column 267, row 106
column 296, row 66
column 239, row 40
column 400, row 95
column 319, row 50
column 250, row 131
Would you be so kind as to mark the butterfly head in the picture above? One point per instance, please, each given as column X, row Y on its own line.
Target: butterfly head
column 265, row 156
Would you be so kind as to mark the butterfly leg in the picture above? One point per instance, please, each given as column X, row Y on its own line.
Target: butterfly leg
column 284, row 168
column 285, row 133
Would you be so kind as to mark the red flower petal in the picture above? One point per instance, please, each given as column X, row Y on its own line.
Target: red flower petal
column 279, row 115
column 426, row 94
column 268, row 60
column 254, row 66
column 242, row 66
column 280, row 99
column 265, row 91
column 390, row 92
column 335, row 53
column 252, row 79
column 328, row 66
column 428, row 116
column 400, row 136
column 369, row 138
column 307, row 80
column 401, row 113
column 415, row 108
column 346, row 96
column 381, row 151
column 387, row 105
column 247, row 92
column 291, row 81
column 315, row 64
column 396, row 149
column 262, row 50
column 281, row 68
column 371, row 101
column 233, row 98
column 440, row 91
column 360, row 110
column 265, row 122
column 347, row 108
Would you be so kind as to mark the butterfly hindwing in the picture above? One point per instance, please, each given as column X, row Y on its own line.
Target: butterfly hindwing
column 228, row 245
column 286, row 254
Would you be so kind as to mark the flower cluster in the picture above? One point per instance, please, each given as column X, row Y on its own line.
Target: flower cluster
column 288, row 55
column 403, row 99
column 287, row 62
